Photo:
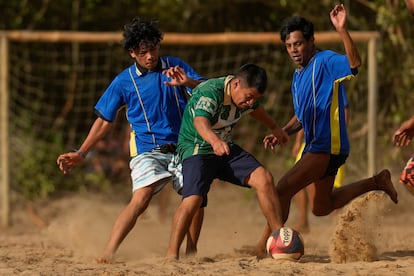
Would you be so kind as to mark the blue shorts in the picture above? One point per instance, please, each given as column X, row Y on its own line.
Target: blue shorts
column 335, row 161
column 199, row 171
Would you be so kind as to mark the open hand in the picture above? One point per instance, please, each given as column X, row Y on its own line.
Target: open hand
column 338, row 16
column 177, row 75
column 404, row 134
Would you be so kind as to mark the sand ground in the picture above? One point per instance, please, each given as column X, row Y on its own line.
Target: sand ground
column 370, row 236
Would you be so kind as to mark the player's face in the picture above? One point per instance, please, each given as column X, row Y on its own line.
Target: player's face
column 299, row 49
column 243, row 96
column 146, row 57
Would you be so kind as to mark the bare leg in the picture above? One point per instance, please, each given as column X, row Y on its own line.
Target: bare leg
column 268, row 199
column 310, row 191
column 301, row 202
column 327, row 200
column 311, row 168
column 324, row 205
column 126, row 221
column 307, row 170
column 181, row 223
column 163, row 201
column 262, row 181
column 383, row 182
column 380, row 182
column 260, row 249
column 194, row 232
column 304, row 172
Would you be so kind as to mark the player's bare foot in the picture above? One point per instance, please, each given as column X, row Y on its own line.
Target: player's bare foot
column 104, row 260
column 384, row 183
column 191, row 253
column 260, row 252
column 252, row 251
column 170, row 259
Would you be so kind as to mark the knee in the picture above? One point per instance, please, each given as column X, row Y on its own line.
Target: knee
column 265, row 180
column 140, row 201
column 268, row 178
column 191, row 204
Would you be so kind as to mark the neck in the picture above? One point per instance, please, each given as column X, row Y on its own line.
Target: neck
column 144, row 70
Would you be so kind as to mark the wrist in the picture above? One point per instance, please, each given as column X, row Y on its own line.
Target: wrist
column 215, row 143
column 81, row 153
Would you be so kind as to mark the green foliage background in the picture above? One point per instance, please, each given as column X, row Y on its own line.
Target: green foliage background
column 390, row 18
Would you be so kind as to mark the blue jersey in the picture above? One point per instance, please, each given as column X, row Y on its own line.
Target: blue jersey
column 319, row 100
column 154, row 110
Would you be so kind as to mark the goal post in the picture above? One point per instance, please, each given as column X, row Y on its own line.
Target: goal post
column 369, row 38
column 4, row 134
column 183, row 38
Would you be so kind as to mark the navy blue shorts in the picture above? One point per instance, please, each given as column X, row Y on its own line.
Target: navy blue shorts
column 199, row 171
column 335, row 161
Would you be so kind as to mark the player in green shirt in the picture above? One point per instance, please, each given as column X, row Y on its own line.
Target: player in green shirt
column 208, row 152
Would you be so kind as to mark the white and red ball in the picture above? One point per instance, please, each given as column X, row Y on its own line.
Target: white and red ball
column 285, row 244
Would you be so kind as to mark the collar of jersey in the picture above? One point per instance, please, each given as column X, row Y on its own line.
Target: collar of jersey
column 141, row 71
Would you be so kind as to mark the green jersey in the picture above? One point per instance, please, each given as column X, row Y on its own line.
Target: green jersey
column 210, row 99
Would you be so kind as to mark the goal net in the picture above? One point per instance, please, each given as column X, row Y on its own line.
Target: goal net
column 53, row 84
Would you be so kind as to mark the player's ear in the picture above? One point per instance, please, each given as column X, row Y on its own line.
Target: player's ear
column 312, row 40
column 234, row 83
column 132, row 53
column 240, row 82
column 237, row 81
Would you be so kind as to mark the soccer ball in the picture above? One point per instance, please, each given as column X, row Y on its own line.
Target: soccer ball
column 285, row 244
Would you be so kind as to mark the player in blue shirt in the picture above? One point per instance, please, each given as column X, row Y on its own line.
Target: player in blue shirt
column 319, row 110
column 154, row 90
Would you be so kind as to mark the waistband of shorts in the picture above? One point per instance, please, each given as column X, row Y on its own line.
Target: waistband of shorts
column 167, row 148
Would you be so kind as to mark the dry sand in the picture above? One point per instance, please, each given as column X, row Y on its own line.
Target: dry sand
column 370, row 236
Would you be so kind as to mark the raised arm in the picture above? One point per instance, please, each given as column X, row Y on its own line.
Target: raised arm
column 338, row 17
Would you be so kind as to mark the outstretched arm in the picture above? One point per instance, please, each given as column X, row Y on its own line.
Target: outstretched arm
column 278, row 136
column 403, row 135
column 67, row 161
column 338, row 17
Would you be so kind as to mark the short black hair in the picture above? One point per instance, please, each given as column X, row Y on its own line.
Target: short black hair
column 296, row 23
column 141, row 33
column 254, row 75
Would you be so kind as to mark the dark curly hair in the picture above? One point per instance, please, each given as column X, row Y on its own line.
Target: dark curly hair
column 296, row 23
column 141, row 33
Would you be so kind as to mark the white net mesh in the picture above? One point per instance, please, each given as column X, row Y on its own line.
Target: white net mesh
column 53, row 88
